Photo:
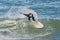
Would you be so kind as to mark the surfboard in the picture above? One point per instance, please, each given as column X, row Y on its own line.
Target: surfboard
column 37, row 24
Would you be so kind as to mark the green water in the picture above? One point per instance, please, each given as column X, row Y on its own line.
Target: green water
column 24, row 30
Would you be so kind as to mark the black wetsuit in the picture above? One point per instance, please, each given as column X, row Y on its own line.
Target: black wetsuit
column 30, row 17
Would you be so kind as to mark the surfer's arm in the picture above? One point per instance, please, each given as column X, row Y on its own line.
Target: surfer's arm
column 24, row 14
column 33, row 18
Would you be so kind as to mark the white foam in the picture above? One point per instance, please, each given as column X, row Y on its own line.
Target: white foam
column 8, row 23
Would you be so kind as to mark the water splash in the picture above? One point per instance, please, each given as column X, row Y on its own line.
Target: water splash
column 14, row 12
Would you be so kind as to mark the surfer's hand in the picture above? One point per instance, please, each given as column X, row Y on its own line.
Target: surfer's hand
column 21, row 13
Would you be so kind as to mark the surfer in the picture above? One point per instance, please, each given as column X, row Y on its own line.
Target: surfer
column 35, row 22
column 30, row 15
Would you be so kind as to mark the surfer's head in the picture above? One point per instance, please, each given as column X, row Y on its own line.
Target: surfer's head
column 30, row 14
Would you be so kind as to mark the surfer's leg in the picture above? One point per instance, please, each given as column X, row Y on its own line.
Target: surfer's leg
column 29, row 18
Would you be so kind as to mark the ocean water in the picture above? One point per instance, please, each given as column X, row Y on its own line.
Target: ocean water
column 14, row 26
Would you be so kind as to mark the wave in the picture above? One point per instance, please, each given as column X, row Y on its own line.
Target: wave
column 7, row 23
column 25, row 30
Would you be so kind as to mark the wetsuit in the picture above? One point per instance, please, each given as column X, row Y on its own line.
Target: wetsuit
column 30, row 17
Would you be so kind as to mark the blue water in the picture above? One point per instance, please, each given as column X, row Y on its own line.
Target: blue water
column 46, row 9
